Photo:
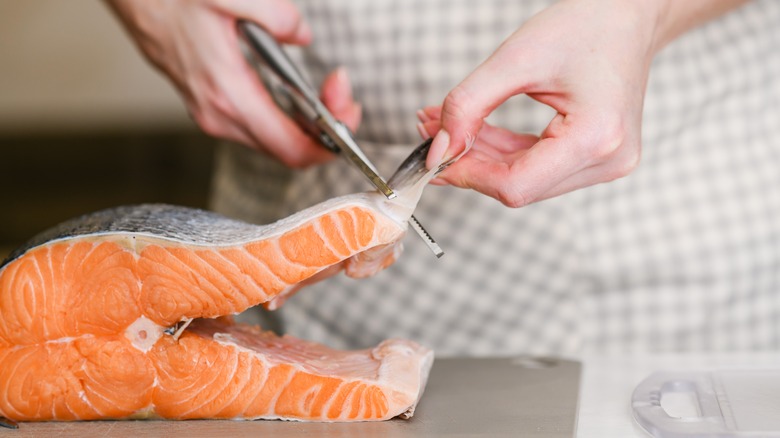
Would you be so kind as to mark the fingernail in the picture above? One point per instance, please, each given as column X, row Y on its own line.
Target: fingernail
column 438, row 181
column 470, row 140
column 342, row 75
column 422, row 116
column 303, row 33
column 423, row 132
column 438, row 148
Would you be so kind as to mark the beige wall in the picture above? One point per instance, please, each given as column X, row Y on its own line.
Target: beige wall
column 68, row 65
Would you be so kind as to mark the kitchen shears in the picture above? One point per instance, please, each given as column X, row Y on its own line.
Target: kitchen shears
column 300, row 101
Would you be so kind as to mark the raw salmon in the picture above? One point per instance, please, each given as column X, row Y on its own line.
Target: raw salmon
column 124, row 313
column 84, row 311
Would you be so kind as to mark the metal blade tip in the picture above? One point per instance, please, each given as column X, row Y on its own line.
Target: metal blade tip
column 432, row 245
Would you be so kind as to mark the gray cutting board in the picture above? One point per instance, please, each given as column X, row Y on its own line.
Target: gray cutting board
column 525, row 397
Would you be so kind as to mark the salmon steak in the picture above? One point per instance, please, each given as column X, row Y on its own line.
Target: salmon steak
column 125, row 313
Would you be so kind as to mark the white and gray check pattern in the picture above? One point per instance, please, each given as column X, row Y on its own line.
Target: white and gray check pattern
column 684, row 254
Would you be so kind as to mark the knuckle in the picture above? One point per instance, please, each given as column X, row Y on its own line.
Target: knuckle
column 294, row 158
column 604, row 149
column 280, row 17
column 511, row 197
column 212, row 112
column 208, row 123
column 610, row 139
column 456, row 103
column 624, row 165
column 221, row 104
column 286, row 21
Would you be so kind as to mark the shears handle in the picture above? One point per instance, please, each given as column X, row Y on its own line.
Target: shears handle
column 288, row 86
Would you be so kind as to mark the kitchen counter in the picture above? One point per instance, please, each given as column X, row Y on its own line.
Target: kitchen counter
column 543, row 402
column 465, row 397
column 608, row 382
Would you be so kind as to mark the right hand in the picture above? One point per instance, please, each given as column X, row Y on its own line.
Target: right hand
column 195, row 44
column 588, row 60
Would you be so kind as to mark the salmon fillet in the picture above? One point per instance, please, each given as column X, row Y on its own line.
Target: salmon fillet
column 91, row 318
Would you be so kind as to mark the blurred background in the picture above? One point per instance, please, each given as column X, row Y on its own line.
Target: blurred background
column 85, row 122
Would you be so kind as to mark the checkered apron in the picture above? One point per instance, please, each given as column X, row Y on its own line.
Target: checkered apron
column 683, row 254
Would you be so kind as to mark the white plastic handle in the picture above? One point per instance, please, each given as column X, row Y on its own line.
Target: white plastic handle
column 648, row 412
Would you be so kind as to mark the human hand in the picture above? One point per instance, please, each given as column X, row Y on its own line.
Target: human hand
column 588, row 60
column 196, row 45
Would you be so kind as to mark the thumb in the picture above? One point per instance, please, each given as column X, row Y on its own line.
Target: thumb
column 467, row 105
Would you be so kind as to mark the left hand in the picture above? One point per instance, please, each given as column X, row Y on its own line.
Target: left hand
column 196, row 45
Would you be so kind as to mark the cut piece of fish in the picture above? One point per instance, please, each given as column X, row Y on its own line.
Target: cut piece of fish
column 87, row 310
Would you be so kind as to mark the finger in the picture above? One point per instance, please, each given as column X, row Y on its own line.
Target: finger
column 336, row 94
column 254, row 109
column 494, row 141
column 501, row 76
column 429, row 113
column 428, row 129
column 218, row 124
column 281, row 18
column 504, row 140
column 221, row 125
column 217, row 93
column 497, row 136
column 520, row 179
column 422, row 131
